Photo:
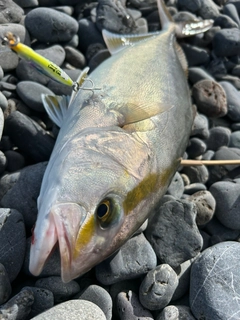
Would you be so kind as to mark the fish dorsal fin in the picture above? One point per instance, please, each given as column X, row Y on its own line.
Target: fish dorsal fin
column 133, row 112
column 117, row 42
column 182, row 58
column 56, row 107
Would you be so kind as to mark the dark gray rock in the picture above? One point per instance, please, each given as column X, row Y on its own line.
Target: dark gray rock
column 73, row 309
column 27, row 3
column 13, row 241
column 200, row 126
column 5, row 285
column 75, row 57
column 219, row 137
column 98, row 58
column 18, row 307
column 15, row 161
column 49, row 25
column 196, row 174
column 176, row 186
column 226, row 194
column 135, row 258
column 195, row 56
column 230, row 10
column 215, row 287
column 157, row 287
column 100, row 297
column 124, row 286
column 3, row 102
column 10, row 12
column 196, row 74
column 196, row 148
column 210, row 98
column 29, row 137
column 176, row 313
column 3, row 162
column 173, row 232
column 61, row 291
column 208, row 155
column 30, row 92
column 205, row 204
column 206, row 239
column 183, row 274
column 225, row 22
column 235, row 81
column 208, row 9
column 235, row 140
column 226, row 42
column 194, row 187
column 193, row 6
column 20, row 191
column 43, row 300
column 129, row 307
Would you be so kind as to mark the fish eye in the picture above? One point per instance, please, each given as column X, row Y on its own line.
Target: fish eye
column 103, row 210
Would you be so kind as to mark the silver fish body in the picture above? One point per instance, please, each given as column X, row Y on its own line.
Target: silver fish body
column 114, row 159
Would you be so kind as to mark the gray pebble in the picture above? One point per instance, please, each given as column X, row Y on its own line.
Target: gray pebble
column 235, row 81
column 49, row 25
column 100, row 297
column 208, row 155
column 196, row 174
column 196, row 147
column 226, row 194
column 15, row 161
column 176, row 186
column 135, row 258
column 226, row 42
column 215, row 287
column 43, row 300
column 27, row 3
column 13, row 241
column 208, row 9
column 1, row 73
column 20, row 191
column 205, row 204
column 10, row 12
column 183, row 274
column 73, row 309
column 235, row 140
column 3, row 102
column 61, row 291
column 30, row 92
column 225, row 22
column 29, row 137
column 219, row 137
column 200, row 126
column 75, row 57
column 176, row 313
column 206, row 239
column 173, row 232
column 192, row 6
column 129, row 307
column 157, row 287
column 210, row 98
column 196, row 74
column 124, row 286
column 3, row 162
column 230, row 10
column 98, row 58
column 18, row 307
column 195, row 56
column 5, row 285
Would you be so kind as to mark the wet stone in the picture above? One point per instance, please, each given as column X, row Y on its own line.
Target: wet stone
column 29, row 137
column 61, row 291
column 135, row 258
column 215, row 284
column 157, row 287
column 173, row 232
column 10, row 12
column 219, row 137
column 13, row 241
column 49, row 25
column 43, row 300
column 24, row 186
column 226, row 42
column 5, row 285
column 226, row 194
column 73, row 309
column 230, row 10
column 196, row 148
column 175, row 313
column 129, row 308
column 210, row 98
column 195, row 56
column 197, row 174
column 176, row 186
column 15, row 161
column 100, row 297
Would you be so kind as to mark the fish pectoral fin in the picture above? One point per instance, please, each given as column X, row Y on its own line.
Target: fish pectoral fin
column 117, row 42
column 137, row 112
column 56, row 107
column 190, row 28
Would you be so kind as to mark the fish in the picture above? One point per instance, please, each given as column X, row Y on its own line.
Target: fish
column 117, row 149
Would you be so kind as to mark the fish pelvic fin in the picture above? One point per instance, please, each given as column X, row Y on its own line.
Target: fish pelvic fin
column 56, row 107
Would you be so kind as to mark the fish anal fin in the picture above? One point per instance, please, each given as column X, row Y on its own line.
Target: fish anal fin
column 56, row 107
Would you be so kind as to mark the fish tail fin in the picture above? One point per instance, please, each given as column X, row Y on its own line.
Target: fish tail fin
column 184, row 28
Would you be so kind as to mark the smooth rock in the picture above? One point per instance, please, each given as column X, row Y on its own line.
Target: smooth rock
column 194, row 187
column 183, row 274
column 15, row 161
column 75, row 57
column 225, row 22
column 226, row 194
column 176, row 186
column 230, row 10
column 196, row 74
column 135, row 258
column 200, row 126
column 157, row 287
column 195, row 56
column 27, row 3
column 29, row 137
column 215, row 287
column 176, row 313
column 208, row 9
column 20, row 191
column 5, row 285
column 210, row 98
column 3, row 162
column 196, row 174
column 226, row 42
column 73, row 309
column 61, row 291
column 13, row 241
column 100, row 297
column 218, row 137
column 196, row 148
column 235, row 140
column 10, row 12
column 129, row 307
column 49, row 25
column 173, row 232
column 205, row 204
column 3, row 102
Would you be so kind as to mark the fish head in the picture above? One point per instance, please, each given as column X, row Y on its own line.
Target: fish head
column 86, row 204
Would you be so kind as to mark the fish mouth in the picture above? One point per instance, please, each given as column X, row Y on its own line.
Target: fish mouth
column 62, row 225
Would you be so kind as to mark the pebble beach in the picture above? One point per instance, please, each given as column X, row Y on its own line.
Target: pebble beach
column 184, row 263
